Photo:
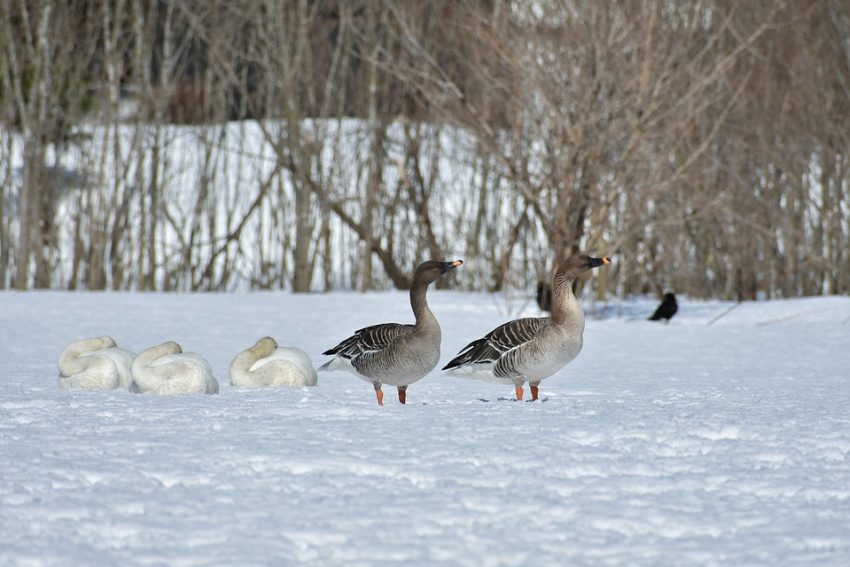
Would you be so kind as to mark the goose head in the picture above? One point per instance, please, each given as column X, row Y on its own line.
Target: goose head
column 428, row 272
column 574, row 266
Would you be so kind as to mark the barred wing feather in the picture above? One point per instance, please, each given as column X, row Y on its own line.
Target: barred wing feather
column 370, row 339
column 499, row 341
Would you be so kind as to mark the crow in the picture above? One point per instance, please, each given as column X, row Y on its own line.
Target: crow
column 667, row 308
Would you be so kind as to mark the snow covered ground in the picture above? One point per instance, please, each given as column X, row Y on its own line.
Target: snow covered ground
column 683, row 444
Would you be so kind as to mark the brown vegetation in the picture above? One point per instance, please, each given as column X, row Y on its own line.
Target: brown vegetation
column 705, row 145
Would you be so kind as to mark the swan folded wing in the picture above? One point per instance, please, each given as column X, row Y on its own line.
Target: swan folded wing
column 497, row 342
column 183, row 358
column 262, row 362
column 202, row 362
column 294, row 355
column 167, row 359
column 122, row 359
column 370, row 339
column 284, row 356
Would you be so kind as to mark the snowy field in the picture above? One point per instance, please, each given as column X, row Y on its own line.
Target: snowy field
column 701, row 442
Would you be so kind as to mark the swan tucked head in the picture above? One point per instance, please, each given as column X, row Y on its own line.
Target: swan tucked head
column 429, row 271
column 265, row 346
column 104, row 342
column 85, row 346
column 157, row 355
column 169, row 347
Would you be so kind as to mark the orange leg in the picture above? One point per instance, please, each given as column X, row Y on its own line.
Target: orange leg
column 380, row 395
column 519, row 393
column 402, row 395
column 534, row 393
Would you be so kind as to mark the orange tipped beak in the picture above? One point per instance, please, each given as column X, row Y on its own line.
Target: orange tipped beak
column 606, row 260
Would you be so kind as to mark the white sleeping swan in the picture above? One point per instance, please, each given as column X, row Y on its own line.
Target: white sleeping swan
column 166, row 369
column 266, row 364
column 95, row 363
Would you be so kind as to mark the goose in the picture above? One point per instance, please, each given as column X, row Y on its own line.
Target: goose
column 267, row 364
column 392, row 353
column 166, row 369
column 531, row 349
column 95, row 363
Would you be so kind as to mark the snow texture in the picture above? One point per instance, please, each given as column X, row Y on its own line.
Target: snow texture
column 707, row 441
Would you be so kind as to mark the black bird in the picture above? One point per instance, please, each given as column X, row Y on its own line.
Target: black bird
column 667, row 308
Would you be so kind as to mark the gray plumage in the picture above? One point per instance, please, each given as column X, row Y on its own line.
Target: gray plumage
column 531, row 349
column 393, row 353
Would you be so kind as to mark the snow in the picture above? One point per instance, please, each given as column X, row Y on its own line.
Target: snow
column 707, row 441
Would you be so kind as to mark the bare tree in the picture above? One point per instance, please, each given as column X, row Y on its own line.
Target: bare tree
column 207, row 145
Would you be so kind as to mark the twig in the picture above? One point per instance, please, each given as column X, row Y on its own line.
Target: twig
column 794, row 316
column 722, row 315
column 496, row 303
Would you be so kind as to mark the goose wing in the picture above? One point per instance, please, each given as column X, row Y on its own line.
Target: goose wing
column 497, row 342
column 370, row 339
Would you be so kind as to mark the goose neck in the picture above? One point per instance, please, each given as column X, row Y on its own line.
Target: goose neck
column 419, row 302
column 563, row 302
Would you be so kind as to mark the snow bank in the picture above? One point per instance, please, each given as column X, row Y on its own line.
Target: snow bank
column 690, row 443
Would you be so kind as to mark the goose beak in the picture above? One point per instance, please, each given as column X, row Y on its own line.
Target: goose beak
column 448, row 266
column 596, row 262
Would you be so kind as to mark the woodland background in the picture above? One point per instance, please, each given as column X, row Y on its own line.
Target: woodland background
column 332, row 144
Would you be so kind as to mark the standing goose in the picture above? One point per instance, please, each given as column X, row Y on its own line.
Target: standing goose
column 95, row 363
column 531, row 349
column 266, row 364
column 392, row 353
column 166, row 369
